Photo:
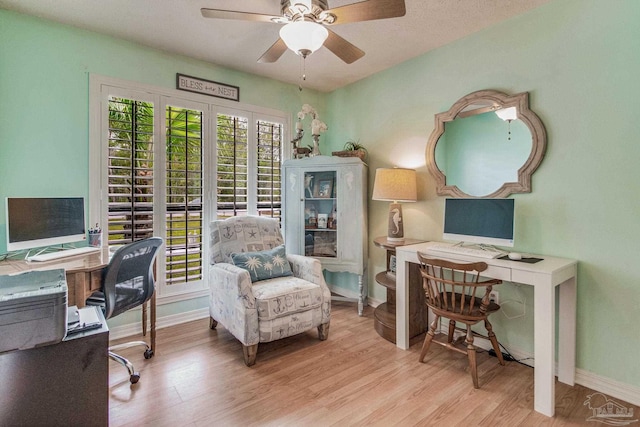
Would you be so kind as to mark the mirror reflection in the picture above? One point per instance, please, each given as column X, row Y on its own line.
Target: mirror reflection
column 478, row 153
column 487, row 145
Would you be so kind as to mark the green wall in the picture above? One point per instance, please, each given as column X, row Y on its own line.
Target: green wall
column 580, row 62
column 44, row 99
column 578, row 59
column 44, row 87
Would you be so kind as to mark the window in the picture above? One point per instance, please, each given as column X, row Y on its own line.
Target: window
column 183, row 207
column 241, row 159
column 232, row 167
column 130, row 171
column 163, row 174
column 269, row 196
column 131, row 189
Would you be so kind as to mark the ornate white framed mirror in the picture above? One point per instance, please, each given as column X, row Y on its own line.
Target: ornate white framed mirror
column 487, row 145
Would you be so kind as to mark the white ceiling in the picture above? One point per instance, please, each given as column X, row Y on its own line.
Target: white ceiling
column 176, row 26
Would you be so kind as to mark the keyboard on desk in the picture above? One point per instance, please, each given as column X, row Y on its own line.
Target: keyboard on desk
column 465, row 250
column 63, row 254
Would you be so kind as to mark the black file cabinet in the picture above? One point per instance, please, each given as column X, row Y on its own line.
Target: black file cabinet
column 64, row 384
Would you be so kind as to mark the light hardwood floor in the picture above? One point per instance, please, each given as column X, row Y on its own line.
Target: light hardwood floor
column 355, row 378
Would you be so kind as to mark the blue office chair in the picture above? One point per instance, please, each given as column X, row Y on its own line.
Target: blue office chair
column 128, row 282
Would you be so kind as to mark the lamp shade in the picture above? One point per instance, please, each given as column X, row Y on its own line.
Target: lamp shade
column 303, row 37
column 396, row 184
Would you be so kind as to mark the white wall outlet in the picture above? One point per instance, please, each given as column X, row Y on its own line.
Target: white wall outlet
column 494, row 296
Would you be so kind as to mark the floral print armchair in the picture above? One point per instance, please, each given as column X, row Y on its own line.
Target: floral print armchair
column 280, row 302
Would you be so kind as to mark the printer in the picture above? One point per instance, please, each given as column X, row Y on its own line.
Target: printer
column 33, row 309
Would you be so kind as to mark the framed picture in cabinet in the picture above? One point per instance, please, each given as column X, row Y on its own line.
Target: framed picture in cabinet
column 325, row 188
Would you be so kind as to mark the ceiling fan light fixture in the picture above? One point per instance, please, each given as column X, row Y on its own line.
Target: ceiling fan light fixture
column 304, row 6
column 303, row 37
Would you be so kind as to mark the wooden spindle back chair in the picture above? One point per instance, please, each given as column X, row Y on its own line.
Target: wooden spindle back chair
column 455, row 291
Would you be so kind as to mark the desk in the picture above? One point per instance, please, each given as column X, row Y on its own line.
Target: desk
column 544, row 276
column 60, row 384
column 84, row 273
column 84, row 277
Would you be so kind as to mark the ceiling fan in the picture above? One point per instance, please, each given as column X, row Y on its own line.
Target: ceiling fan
column 305, row 25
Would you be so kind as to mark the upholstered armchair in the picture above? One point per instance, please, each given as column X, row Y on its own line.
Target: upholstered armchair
column 257, row 291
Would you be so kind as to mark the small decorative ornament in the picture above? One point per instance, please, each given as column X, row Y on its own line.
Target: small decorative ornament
column 317, row 126
column 315, row 151
column 299, row 152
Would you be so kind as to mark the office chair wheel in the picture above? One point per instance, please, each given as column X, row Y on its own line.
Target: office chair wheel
column 148, row 354
column 134, row 378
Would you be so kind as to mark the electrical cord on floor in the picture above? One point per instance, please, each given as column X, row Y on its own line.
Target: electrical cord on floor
column 506, row 354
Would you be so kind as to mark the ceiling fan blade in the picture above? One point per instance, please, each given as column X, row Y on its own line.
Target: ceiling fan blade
column 368, row 11
column 274, row 52
column 342, row 48
column 241, row 16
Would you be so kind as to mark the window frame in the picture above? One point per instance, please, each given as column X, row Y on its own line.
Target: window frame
column 161, row 189
column 101, row 87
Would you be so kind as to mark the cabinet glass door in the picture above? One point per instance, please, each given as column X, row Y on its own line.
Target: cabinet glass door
column 320, row 214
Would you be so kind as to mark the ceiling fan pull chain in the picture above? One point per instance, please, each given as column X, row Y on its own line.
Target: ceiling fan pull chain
column 304, row 68
column 303, row 71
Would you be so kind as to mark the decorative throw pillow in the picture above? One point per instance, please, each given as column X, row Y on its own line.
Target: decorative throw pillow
column 264, row 264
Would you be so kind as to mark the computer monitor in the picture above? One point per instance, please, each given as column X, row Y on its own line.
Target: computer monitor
column 44, row 221
column 483, row 221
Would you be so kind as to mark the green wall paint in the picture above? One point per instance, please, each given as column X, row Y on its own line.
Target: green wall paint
column 44, row 113
column 578, row 59
column 580, row 62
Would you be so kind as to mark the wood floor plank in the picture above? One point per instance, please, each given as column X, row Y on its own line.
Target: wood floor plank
column 355, row 378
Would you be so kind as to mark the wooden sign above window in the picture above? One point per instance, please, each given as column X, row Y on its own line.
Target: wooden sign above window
column 207, row 87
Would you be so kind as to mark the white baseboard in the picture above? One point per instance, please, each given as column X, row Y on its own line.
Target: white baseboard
column 123, row 331
column 612, row 388
column 343, row 292
column 622, row 391
column 374, row 302
column 354, row 295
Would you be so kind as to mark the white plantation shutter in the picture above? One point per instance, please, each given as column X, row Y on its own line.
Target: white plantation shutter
column 167, row 163
column 248, row 183
column 130, row 171
column 184, row 191
column 232, row 166
column 269, row 162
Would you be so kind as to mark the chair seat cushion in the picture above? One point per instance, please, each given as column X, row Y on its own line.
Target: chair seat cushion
column 285, row 295
column 263, row 265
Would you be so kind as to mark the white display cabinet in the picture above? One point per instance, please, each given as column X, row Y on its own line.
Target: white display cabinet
column 325, row 214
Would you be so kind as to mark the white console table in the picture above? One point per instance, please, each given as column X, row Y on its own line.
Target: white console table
column 544, row 276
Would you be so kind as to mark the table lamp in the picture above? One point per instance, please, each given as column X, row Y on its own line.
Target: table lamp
column 395, row 185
